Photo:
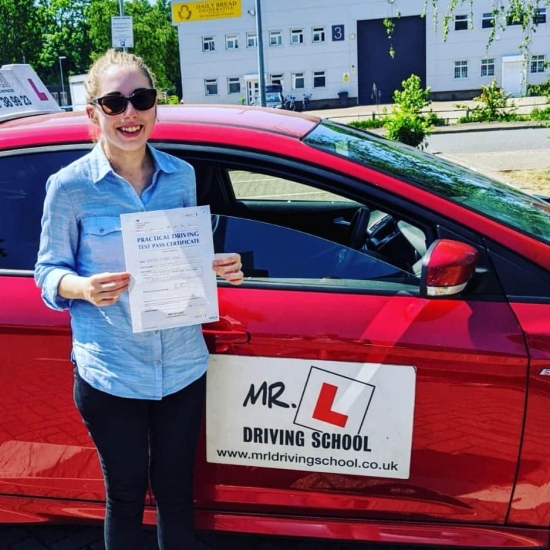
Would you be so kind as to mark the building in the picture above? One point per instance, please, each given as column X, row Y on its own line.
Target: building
column 340, row 52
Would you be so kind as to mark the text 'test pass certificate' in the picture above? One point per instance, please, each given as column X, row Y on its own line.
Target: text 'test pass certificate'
column 169, row 256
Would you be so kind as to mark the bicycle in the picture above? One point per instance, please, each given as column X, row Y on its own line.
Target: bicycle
column 306, row 103
column 290, row 103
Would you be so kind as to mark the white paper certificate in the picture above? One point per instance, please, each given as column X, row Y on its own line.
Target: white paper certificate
column 169, row 256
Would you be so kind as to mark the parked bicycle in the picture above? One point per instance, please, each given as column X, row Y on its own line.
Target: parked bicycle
column 306, row 102
column 290, row 103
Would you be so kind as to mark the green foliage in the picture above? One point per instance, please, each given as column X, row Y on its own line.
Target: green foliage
column 542, row 89
column 367, row 123
column 38, row 32
column 168, row 100
column 412, row 98
column 407, row 128
column 523, row 13
column 493, row 106
column 540, row 114
column 407, row 123
column 20, row 31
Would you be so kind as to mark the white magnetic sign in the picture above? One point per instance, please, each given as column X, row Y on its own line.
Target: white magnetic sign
column 318, row 416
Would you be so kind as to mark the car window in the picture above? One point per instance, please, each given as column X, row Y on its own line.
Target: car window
column 272, row 253
column 471, row 189
column 22, row 190
column 309, row 209
column 258, row 186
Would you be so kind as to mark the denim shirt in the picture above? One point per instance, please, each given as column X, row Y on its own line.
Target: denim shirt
column 81, row 234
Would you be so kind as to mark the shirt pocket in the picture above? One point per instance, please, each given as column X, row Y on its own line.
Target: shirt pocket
column 101, row 246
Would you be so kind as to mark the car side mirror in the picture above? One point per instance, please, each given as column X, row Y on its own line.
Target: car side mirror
column 447, row 268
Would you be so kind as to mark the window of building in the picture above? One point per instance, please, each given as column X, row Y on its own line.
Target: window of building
column 210, row 86
column 296, row 36
column 488, row 67
column 487, row 21
column 275, row 38
column 208, row 44
column 298, row 81
column 276, row 78
column 317, row 34
column 540, row 16
column 515, row 18
column 538, row 63
column 231, row 42
column 461, row 22
column 234, row 85
column 319, row 79
column 251, row 40
column 461, row 69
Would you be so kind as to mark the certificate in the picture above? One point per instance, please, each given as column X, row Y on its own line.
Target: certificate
column 169, row 256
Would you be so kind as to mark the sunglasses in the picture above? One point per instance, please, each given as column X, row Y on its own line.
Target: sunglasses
column 142, row 100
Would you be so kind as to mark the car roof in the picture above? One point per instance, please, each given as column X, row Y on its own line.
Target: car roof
column 74, row 127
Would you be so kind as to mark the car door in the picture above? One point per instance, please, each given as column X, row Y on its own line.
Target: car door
column 352, row 395
column 44, row 448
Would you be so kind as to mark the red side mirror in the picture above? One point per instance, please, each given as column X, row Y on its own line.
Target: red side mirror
column 447, row 268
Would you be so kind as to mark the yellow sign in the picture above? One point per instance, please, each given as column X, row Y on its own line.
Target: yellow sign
column 202, row 11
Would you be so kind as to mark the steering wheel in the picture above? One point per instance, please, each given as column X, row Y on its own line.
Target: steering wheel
column 357, row 232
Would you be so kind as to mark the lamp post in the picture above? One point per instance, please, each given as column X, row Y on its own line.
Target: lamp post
column 261, row 81
column 61, row 57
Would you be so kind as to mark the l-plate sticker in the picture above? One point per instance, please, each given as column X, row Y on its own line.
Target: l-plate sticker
column 317, row 416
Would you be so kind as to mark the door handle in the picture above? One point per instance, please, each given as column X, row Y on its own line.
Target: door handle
column 221, row 340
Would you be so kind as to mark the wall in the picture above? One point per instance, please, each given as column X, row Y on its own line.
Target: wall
column 339, row 59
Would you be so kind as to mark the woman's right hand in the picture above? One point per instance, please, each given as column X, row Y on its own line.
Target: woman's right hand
column 104, row 289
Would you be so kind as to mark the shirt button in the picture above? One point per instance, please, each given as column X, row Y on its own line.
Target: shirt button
column 157, row 331
column 158, row 363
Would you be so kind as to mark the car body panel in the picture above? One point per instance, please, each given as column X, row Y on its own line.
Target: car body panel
column 531, row 503
column 456, row 457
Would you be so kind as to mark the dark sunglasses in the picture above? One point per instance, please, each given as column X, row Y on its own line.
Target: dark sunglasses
column 142, row 100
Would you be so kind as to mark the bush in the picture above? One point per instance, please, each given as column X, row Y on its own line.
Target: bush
column 406, row 123
column 367, row 123
column 539, row 89
column 540, row 114
column 407, row 128
column 168, row 100
column 494, row 105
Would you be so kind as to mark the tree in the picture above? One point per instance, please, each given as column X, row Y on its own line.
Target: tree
column 64, row 33
column 155, row 38
column 20, row 32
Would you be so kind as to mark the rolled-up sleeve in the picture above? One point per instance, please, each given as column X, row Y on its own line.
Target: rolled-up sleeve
column 58, row 243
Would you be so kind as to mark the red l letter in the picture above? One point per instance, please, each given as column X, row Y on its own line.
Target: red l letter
column 323, row 408
column 41, row 95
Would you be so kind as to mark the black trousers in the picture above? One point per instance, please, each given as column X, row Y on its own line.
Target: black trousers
column 139, row 442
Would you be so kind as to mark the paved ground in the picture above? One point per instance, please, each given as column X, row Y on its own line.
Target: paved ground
column 51, row 537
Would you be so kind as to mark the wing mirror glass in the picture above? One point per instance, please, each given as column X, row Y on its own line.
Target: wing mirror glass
column 447, row 268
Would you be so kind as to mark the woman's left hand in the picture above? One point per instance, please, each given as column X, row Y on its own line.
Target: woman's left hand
column 228, row 266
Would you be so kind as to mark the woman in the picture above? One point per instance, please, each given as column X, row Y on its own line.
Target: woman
column 140, row 395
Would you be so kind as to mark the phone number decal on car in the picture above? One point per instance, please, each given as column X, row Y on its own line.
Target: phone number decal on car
column 319, row 416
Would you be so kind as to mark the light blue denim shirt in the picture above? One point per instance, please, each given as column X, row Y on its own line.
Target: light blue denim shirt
column 81, row 235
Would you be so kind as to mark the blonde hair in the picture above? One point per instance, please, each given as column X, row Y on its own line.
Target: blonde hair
column 109, row 59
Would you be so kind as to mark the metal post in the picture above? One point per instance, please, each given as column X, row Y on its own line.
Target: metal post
column 261, row 73
column 61, row 57
column 121, row 13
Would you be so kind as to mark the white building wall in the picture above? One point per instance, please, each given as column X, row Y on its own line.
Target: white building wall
column 338, row 59
column 472, row 46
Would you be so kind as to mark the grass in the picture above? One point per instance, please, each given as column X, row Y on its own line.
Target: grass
column 532, row 181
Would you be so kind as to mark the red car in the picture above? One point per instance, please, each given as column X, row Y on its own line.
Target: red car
column 383, row 374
